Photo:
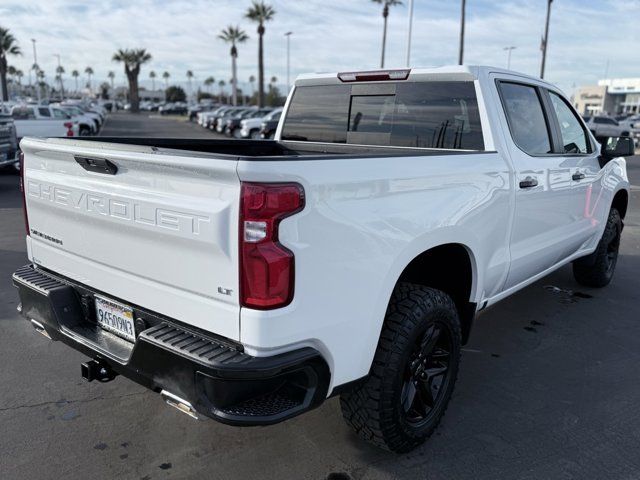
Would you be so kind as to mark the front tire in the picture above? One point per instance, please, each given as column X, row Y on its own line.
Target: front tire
column 596, row 270
column 414, row 370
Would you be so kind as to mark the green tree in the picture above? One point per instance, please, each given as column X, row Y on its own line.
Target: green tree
column 104, row 90
column 233, row 35
column 132, row 59
column 89, row 72
column 75, row 74
column 152, row 76
column 385, row 13
column 189, row 80
column 221, row 84
column 208, row 82
column 175, row 94
column 111, row 75
column 166, row 76
column 59, row 72
column 8, row 46
column 260, row 13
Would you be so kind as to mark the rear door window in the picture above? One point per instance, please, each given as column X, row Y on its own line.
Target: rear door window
column 525, row 117
column 411, row 114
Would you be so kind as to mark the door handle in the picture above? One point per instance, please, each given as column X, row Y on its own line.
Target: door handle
column 529, row 182
column 577, row 176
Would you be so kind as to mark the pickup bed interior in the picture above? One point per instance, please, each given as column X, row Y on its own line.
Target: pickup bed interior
column 275, row 150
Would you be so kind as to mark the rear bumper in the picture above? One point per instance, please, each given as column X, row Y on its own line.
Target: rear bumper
column 213, row 374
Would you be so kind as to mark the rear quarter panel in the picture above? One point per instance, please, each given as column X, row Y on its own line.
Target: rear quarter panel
column 364, row 221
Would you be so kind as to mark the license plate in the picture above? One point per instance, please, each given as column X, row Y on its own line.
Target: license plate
column 115, row 317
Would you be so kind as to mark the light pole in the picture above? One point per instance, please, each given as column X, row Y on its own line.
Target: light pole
column 409, row 28
column 509, row 50
column 545, row 40
column 288, row 35
column 35, row 67
column 461, row 50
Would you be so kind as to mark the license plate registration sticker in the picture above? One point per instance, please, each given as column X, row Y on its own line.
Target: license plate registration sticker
column 115, row 317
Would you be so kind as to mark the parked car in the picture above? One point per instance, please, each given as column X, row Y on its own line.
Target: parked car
column 8, row 142
column 29, row 122
column 87, row 124
column 234, row 118
column 251, row 281
column 221, row 120
column 604, row 127
column 250, row 127
column 268, row 128
column 97, row 117
column 233, row 124
column 177, row 108
column 632, row 123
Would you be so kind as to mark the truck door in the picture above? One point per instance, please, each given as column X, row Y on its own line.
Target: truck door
column 543, row 208
column 588, row 207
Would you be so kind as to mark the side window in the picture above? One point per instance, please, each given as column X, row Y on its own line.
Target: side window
column 44, row 112
column 526, row 119
column 574, row 137
column 59, row 114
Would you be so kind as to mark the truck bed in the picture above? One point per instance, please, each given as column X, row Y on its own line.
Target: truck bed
column 270, row 150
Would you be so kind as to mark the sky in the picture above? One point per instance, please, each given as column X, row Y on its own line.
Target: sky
column 588, row 39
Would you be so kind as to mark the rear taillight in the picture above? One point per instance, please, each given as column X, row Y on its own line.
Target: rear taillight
column 69, row 127
column 266, row 266
column 23, row 190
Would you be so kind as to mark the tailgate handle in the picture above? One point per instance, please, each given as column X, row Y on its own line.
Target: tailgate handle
column 97, row 165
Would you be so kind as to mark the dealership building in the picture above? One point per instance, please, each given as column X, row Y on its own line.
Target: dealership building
column 611, row 96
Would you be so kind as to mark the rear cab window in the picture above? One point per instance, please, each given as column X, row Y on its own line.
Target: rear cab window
column 432, row 114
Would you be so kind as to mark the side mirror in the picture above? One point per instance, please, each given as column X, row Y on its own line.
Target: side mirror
column 614, row 147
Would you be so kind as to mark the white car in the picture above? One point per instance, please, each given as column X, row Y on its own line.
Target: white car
column 248, row 281
column 41, row 121
column 250, row 127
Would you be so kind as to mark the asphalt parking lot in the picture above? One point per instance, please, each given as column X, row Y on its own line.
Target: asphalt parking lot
column 549, row 389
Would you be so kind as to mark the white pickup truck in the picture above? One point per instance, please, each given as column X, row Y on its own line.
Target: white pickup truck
column 43, row 121
column 248, row 281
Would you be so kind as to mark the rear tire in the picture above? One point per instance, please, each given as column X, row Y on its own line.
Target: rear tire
column 399, row 405
column 596, row 270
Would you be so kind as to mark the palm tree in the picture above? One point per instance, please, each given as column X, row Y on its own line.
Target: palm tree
column 208, row 82
column 221, row 84
column 252, row 80
column 385, row 14
column 166, row 76
column 8, row 46
column 75, row 74
column 89, row 72
column 260, row 13
column 133, row 59
column 152, row 76
column 189, row 78
column 111, row 76
column 233, row 35
column 19, row 75
column 59, row 72
column 41, row 83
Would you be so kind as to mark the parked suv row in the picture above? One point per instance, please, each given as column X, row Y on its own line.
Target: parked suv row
column 240, row 122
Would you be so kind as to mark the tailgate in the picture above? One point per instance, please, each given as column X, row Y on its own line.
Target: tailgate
column 160, row 233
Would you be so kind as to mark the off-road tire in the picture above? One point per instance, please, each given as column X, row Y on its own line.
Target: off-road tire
column 596, row 270
column 373, row 408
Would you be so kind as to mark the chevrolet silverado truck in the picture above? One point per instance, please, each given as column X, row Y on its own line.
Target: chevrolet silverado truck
column 248, row 281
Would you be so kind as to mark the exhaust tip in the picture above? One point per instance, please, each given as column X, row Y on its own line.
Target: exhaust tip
column 40, row 328
column 179, row 403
